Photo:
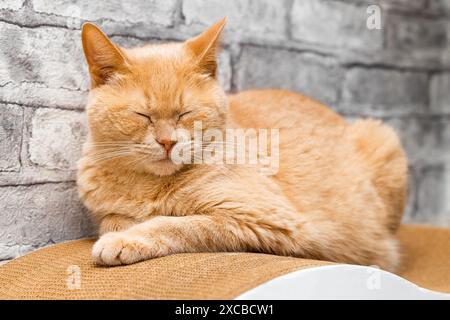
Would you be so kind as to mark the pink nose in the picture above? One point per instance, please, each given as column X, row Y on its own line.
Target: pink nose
column 167, row 144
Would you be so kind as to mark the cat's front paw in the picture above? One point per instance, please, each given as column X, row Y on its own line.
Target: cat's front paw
column 119, row 248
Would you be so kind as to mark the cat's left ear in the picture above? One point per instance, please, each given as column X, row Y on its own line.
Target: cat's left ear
column 205, row 47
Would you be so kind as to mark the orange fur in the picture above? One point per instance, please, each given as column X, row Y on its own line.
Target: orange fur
column 338, row 195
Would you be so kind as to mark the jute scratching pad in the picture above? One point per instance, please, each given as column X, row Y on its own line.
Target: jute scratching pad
column 52, row 272
column 43, row 274
column 426, row 256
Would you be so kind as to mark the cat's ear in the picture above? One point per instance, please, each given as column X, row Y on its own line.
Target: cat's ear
column 104, row 58
column 206, row 46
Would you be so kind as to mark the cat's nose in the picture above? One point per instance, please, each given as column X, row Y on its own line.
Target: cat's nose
column 167, row 144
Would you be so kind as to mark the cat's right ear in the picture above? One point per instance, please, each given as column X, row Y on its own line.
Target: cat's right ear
column 104, row 58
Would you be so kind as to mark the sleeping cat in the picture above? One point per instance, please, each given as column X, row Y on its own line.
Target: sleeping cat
column 338, row 193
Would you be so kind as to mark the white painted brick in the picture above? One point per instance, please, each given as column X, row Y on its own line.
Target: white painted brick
column 34, row 216
column 11, row 122
column 315, row 76
column 127, row 12
column 56, row 138
column 43, row 66
column 11, row 4
column 439, row 6
column 423, row 38
column 411, row 5
column 440, row 94
column 384, row 92
column 426, row 140
column 224, row 70
column 432, row 204
column 246, row 18
column 335, row 24
column 39, row 95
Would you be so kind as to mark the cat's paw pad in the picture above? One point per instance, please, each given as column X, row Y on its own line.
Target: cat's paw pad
column 119, row 248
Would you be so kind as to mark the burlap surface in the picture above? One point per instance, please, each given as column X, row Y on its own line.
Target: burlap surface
column 426, row 256
column 52, row 272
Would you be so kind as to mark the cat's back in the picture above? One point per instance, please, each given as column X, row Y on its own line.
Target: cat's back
column 277, row 108
column 325, row 161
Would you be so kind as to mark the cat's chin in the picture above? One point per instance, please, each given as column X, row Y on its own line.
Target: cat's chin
column 162, row 167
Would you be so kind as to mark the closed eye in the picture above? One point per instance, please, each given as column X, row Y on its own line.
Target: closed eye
column 184, row 114
column 145, row 116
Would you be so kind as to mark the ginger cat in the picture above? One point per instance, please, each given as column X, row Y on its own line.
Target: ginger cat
column 338, row 194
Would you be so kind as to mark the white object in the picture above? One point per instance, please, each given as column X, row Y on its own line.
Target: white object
column 340, row 281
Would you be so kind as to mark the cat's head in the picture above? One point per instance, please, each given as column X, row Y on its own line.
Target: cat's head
column 141, row 96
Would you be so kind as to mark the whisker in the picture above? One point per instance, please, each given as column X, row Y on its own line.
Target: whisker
column 101, row 157
column 137, row 161
column 123, row 145
column 126, row 146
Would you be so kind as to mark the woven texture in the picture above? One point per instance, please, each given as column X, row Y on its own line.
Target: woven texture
column 426, row 257
column 44, row 274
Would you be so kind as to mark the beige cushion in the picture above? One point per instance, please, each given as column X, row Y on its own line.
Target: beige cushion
column 43, row 274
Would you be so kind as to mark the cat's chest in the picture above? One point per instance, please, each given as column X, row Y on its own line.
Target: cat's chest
column 141, row 196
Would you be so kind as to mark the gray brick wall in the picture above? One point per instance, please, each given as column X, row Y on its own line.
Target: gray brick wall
column 323, row 48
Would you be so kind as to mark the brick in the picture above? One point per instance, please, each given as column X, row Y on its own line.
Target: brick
column 130, row 42
column 411, row 6
column 11, row 123
column 48, row 56
column 246, row 18
column 381, row 92
column 39, row 95
column 432, row 196
column 405, row 5
column 415, row 7
column 56, row 138
column 32, row 174
column 269, row 68
column 416, row 42
column 441, row 6
column 224, row 70
column 335, row 24
column 11, row 4
column 34, row 216
column 425, row 36
column 127, row 12
column 426, row 140
column 411, row 201
column 440, row 94
column 43, row 66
